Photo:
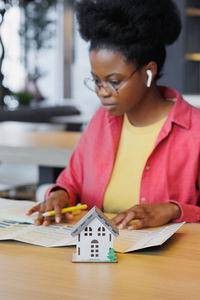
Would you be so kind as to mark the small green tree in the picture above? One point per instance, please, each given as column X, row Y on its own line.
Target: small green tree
column 112, row 255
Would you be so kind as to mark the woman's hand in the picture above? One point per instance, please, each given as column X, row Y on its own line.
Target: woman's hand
column 147, row 215
column 56, row 201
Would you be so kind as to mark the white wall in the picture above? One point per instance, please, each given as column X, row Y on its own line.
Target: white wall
column 193, row 99
column 86, row 99
column 12, row 67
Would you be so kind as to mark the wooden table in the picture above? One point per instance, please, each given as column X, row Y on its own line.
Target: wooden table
column 78, row 122
column 42, row 148
column 171, row 271
column 50, row 150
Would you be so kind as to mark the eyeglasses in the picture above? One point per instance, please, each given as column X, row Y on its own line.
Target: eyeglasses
column 113, row 86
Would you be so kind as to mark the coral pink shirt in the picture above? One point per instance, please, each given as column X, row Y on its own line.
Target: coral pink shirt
column 171, row 173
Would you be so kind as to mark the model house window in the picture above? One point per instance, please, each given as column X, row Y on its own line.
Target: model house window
column 101, row 231
column 88, row 231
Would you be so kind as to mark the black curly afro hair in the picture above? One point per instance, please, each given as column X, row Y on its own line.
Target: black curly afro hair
column 138, row 29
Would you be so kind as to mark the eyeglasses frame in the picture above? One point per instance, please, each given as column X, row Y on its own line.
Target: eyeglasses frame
column 108, row 85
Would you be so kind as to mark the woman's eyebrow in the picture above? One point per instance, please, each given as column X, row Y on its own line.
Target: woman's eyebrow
column 112, row 74
column 107, row 76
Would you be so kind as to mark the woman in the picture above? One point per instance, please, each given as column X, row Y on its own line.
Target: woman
column 139, row 156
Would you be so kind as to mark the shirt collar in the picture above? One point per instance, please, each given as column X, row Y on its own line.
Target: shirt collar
column 181, row 111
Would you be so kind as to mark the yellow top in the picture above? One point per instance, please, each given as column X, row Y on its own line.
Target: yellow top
column 136, row 144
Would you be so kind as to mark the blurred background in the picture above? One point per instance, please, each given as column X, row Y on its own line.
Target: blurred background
column 43, row 62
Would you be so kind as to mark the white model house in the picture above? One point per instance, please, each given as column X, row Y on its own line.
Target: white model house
column 94, row 234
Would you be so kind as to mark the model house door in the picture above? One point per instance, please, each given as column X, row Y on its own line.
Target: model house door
column 94, row 249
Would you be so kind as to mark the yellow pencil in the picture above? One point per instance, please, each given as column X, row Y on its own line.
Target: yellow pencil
column 64, row 210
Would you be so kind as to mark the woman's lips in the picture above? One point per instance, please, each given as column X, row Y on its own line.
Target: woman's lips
column 109, row 106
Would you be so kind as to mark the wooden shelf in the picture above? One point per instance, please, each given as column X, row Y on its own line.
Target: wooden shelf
column 193, row 56
column 192, row 12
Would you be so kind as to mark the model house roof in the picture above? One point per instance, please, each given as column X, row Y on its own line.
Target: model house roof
column 95, row 212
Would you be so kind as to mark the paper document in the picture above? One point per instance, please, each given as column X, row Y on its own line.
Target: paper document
column 132, row 240
column 15, row 210
column 51, row 236
column 14, row 226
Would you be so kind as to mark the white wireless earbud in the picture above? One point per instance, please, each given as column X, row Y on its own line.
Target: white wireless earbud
column 149, row 74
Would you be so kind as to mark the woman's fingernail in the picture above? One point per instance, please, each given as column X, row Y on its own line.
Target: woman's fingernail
column 57, row 219
column 120, row 226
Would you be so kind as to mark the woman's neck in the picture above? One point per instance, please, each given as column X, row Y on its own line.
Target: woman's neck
column 151, row 109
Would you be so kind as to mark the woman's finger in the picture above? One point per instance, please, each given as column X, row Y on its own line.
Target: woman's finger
column 138, row 225
column 118, row 219
column 33, row 210
column 58, row 214
column 69, row 216
column 128, row 218
column 47, row 206
column 39, row 219
column 47, row 221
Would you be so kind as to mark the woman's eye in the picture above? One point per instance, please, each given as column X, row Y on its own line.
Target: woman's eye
column 96, row 81
column 114, row 83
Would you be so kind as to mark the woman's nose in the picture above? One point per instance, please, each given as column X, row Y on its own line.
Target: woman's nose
column 104, row 91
